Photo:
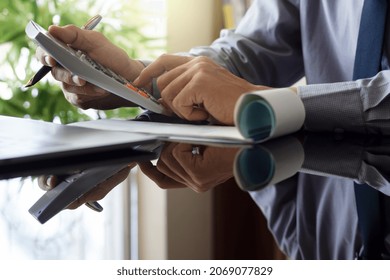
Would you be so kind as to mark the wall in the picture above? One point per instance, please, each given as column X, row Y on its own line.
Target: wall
column 192, row 23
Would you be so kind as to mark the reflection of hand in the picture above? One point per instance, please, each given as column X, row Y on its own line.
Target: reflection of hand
column 178, row 166
column 99, row 192
column 100, row 49
column 196, row 88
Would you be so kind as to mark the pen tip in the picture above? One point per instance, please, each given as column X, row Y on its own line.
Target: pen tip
column 29, row 84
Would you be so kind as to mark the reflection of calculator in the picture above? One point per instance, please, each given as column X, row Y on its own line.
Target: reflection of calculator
column 75, row 185
column 84, row 67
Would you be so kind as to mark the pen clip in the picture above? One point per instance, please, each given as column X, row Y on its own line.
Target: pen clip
column 92, row 22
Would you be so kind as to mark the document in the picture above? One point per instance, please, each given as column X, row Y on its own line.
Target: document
column 259, row 116
column 173, row 132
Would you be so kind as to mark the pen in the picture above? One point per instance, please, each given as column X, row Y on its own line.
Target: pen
column 89, row 25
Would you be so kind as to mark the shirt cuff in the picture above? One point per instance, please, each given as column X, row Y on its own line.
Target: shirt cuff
column 333, row 107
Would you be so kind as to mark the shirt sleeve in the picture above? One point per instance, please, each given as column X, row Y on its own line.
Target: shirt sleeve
column 299, row 210
column 350, row 158
column 360, row 106
column 265, row 48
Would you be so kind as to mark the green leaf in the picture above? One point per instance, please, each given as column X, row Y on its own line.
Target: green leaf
column 48, row 102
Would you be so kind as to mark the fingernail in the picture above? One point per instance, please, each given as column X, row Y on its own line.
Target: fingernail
column 48, row 61
column 50, row 182
column 76, row 80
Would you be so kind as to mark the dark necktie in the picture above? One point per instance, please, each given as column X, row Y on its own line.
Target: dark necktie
column 370, row 41
column 367, row 64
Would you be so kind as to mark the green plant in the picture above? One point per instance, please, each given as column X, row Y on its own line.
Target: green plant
column 45, row 100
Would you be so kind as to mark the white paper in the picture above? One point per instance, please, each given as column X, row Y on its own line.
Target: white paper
column 182, row 132
column 287, row 107
column 286, row 155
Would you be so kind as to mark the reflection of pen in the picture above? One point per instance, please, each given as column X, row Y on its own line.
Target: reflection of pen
column 89, row 25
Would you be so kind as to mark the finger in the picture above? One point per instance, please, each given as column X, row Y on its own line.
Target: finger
column 44, row 58
column 161, row 180
column 186, row 102
column 183, row 154
column 90, row 96
column 196, row 175
column 197, row 164
column 102, row 189
column 89, row 90
column 171, row 84
column 181, row 89
column 76, row 37
column 167, row 164
column 46, row 183
column 183, row 72
column 82, row 97
column 175, row 78
column 159, row 66
column 63, row 75
column 172, row 170
column 189, row 104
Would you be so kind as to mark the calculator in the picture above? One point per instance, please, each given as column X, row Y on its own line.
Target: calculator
column 83, row 66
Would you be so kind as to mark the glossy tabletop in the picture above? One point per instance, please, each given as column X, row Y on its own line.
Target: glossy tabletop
column 302, row 189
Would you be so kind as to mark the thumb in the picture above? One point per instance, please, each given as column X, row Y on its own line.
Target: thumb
column 80, row 39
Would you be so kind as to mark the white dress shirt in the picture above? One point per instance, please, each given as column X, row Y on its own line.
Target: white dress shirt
column 312, row 217
column 280, row 41
column 313, row 214
column 277, row 43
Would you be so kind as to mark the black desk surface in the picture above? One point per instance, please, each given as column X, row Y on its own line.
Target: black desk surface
column 302, row 187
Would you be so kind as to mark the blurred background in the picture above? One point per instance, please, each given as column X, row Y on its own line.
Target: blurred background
column 139, row 221
column 137, row 26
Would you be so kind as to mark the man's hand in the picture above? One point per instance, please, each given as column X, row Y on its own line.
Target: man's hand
column 179, row 166
column 97, row 193
column 100, row 49
column 196, row 88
